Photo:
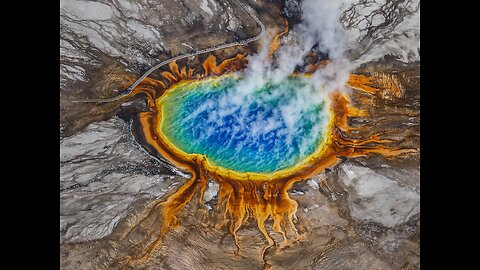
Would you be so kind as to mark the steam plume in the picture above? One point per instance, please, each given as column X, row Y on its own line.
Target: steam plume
column 320, row 28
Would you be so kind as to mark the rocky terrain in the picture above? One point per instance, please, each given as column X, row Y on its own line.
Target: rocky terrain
column 361, row 214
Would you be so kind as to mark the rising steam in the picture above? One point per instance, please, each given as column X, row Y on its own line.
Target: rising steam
column 321, row 31
column 320, row 27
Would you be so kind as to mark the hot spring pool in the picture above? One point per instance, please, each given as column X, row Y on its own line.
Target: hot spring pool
column 271, row 127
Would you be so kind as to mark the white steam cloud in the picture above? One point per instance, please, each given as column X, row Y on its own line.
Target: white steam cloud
column 320, row 26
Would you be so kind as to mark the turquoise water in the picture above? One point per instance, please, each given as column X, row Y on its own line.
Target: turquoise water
column 272, row 128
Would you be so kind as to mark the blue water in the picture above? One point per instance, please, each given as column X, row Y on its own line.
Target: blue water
column 267, row 131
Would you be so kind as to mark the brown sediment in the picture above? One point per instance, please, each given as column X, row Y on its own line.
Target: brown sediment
column 76, row 116
column 390, row 84
column 250, row 195
column 311, row 68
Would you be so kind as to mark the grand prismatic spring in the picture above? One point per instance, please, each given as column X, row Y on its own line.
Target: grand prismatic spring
column 228, row 118
column 249, row 146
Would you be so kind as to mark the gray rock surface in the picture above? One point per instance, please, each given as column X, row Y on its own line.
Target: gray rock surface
column 376, row 28
column 375, row 197
column 103, row 172
column 382, row 27
column 137, row 33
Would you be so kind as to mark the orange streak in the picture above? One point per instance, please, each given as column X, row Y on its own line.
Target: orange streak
column 183, row 73
column 362, row 83
column 169, row 76
column 174, row 67
column 210, row 64
column 276, row 41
